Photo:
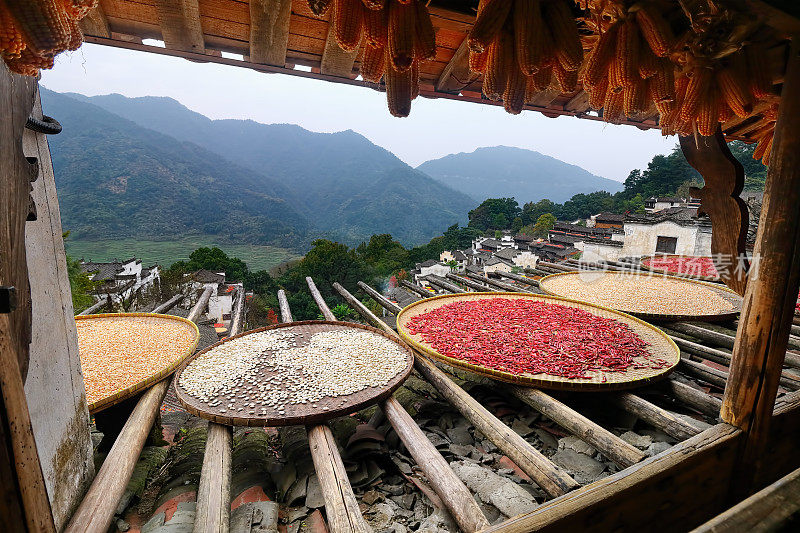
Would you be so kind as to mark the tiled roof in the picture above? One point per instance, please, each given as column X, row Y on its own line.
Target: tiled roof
column 507, row 253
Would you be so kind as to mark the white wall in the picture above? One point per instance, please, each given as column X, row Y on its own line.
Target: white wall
column 593, row 251
column 499, row 267
column 526, row 259
column 54, row 387
column 640, row 239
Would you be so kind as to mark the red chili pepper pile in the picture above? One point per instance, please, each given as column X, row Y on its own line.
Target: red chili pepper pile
column 533, row 337
column 692, row 266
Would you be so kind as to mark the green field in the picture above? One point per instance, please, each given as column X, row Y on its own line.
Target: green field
column 165, row 253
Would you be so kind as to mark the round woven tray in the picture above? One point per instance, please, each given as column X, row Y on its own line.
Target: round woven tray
column 660, row 345
column 296, row 414
column 719, row 289
column 159, row 368
column 643, row 263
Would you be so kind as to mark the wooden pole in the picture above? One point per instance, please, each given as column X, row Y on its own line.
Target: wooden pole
column 656, row 416
column 213, row 512
column 499, row 284
column 94, row 308
column 446, row 285
column 419, row 291
column 341, row 506
column 323, row 307
column 97, row 509
column 375, row 295
column 448, row 487
column 468, row 283
column 771, row 294
column 169, row 304
column 696, row 399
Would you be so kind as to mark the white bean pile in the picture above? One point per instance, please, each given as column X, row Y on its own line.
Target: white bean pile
column 639, row 294
column 266, row 371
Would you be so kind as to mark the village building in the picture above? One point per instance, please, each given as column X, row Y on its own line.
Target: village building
column 458, row 256
column 676, row 230
column 119, row 280
column 519, row 258
column 608, row 220
column 223, row 293
column 495, row 264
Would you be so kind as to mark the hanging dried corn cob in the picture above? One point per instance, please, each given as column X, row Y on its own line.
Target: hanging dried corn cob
column 518, row 45
column 11, row 43
column 396, row 33
column 32, row 32
column 765, row 135
column 725, row 77
column 629, row 58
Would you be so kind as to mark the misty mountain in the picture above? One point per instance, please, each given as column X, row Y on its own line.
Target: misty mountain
column 503, row 171
column 347, row 187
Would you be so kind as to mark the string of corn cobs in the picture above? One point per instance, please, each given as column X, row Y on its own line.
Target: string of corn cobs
column 520, row 46
column 33, row 32
column 397, row 35
column 628, row 71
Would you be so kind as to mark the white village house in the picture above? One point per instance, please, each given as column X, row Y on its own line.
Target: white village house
column 221, row 302
column 120, row 279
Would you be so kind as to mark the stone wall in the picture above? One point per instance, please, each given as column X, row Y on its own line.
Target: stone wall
column 54, row 385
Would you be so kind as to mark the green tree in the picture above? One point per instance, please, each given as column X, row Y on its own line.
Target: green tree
column 517, row 225
column 543, row 225
column 80, row 286
column 215, row 260
column 488, row 214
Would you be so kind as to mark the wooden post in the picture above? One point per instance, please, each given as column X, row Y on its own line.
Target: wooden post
column 657, row 417
column 24, row 504
column 769, row 301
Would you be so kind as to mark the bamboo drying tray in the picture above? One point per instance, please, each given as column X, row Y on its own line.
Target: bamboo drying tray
column 160, row 368
column 727, row 294
column 297, row 414
column 643, row 263
column 660, row 345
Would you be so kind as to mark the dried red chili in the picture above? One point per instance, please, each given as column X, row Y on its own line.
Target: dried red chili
column 521, row 336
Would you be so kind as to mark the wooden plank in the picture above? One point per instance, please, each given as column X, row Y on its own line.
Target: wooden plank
column 335, row 61
column 771, row 295
column 441, row 477
column 611, row 446
column 457, row 74
column 419, row 291
column 269, row 31
column 95, row 23
column 677, row 489
column 96, row 511
column 766, row 510
column 657, row 417
column 495, row 283
column 341, row 506
column 27, row 495
column 547, row 475
column 214, row 490
column 449, row 488
column 180, row 25
column 704, row 372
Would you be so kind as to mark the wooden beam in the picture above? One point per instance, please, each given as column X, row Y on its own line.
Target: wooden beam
column 444, row 481
column 719, row 199
column 97, row 509
column 180, row 25
column 611, row 446
column 769, row 302
column 95, row 307
column 456, row 74
column 419, row 291
column 468, row 283
column 547, row 475
column 283, row 303
column 495, row 283
column 694, row 398
column 657, row 417
column 378, row 297
column 214, row 490
column 335, row 61
column 269, row 31
column 676, row 489
column 783, row 15
column 95, row 23
column 444, row 284
column 766, row 510
column 169, row 304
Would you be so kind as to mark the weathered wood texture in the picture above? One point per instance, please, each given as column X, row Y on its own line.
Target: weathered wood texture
column 474, row 285
column 341, row 506
column 283, row 303
column 26, row 497
column 269, row 31
column 457, row 75
column 771, row 295
column 95, row 308
column 214, row 490
column 660, row 418
column 320, row 301
column 378, row 297
column 335, row 61
column 697, row 399
column 97, row 509
column 169, row 304
column 180, row 25
column 672, row 491
column 766, row 510
column 441, row 477
column 613, row 447
column 96, row 23
column 719, row 199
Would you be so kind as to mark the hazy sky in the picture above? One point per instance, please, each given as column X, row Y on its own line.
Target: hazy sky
column 435, row 127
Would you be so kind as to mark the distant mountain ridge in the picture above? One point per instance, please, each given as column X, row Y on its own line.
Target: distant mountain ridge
column 504, row 171
column 347, row 187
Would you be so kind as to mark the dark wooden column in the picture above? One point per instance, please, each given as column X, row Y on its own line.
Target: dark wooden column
column 719, row 199
column 769, row 302
column 24, row 505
